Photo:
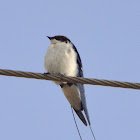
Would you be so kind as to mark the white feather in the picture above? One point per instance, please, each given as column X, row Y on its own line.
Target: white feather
column 61, row 59
column 72, row 94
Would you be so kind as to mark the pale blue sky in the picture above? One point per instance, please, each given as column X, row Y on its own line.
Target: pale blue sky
column 107, row 36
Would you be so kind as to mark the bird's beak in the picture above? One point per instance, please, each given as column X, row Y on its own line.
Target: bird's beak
column 49, row 37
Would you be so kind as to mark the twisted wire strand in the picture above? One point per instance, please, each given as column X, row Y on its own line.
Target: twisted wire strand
column 62, row 78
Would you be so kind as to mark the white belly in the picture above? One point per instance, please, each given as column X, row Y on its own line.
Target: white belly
column 61, row 59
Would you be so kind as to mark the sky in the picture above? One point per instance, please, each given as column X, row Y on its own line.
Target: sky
column 107, row 36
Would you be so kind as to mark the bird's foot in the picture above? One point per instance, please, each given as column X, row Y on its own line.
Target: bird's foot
column 61, row 74
column 46, row 73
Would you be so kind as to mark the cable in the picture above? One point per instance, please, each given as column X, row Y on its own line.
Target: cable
column 62, row 78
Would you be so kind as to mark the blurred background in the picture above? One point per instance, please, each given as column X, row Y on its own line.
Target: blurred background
column 107, row 36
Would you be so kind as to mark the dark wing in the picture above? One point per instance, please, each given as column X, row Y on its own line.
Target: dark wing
column 79, row 62
column 81, row 86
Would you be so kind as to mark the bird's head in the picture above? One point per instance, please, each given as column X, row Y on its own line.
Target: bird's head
column 59, row 39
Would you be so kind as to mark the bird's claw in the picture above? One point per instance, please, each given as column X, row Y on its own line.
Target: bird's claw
column 46, row 73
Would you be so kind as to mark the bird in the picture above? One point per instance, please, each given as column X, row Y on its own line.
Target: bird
column 63, row 58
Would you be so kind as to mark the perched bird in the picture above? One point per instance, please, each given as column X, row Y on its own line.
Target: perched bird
column 63, row 58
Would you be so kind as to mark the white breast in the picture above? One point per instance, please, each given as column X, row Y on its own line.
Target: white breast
column 61, row 59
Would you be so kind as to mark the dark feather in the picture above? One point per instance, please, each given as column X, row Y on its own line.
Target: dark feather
column 81, row 116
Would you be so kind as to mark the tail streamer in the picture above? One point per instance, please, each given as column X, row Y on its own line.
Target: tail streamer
column 76, row 124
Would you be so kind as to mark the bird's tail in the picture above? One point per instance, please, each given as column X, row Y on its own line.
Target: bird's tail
column 81, row 116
